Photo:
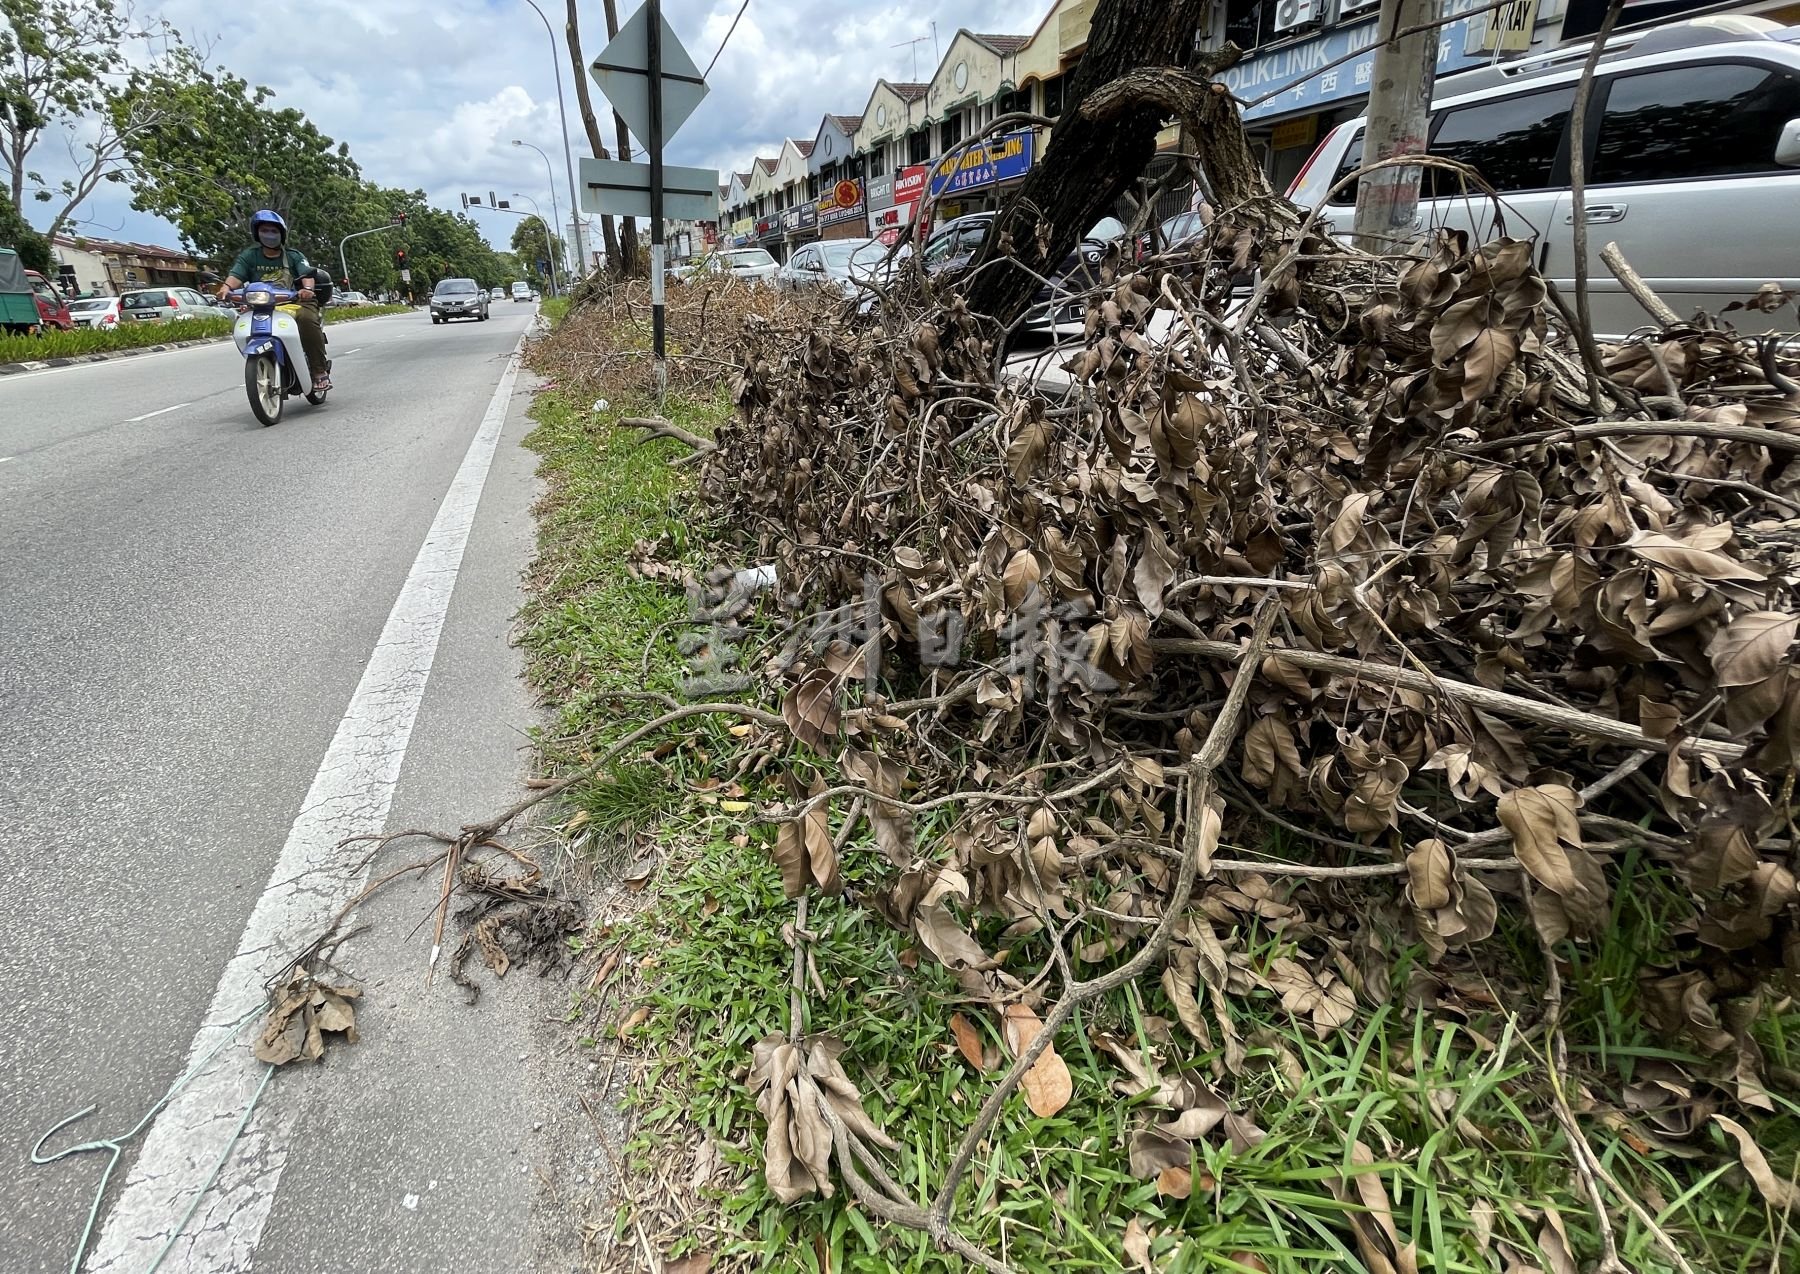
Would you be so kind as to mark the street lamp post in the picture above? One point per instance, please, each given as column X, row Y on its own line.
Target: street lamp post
column 568, row 157
column 555, row 213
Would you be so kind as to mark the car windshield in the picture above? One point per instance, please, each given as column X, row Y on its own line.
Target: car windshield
column 1107, row 228
column 456, row 287
column 143, row 300
column 749, row 256
column 94, row 303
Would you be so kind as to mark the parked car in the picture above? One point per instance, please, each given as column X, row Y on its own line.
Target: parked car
column 458, row 298
column 753, row 265
column 1692, row 159
column 836, row 264
column 167, row 304
column 351, row 298
column 1178, row 232
column 954, row 244
column 95, row 311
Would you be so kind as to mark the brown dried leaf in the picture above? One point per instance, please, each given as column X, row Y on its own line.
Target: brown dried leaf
column 968, row 1040
column 1021, row 578
column 810, row 709
column 1778, row 1192
column 1748, row 650
column 1047, row 1084
column 1429, row 875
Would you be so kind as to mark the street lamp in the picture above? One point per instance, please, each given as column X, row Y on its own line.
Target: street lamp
column 562, row 115
column 555, row 214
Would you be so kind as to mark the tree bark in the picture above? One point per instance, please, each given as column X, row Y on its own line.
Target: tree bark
column 1387, row 202
column 628, row 244
column 596, row 143
column 1089, row 163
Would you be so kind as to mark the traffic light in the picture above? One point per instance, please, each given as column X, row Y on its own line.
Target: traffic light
column 400, row 257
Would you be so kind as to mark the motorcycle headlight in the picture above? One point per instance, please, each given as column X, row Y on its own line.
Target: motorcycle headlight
column 258, row 296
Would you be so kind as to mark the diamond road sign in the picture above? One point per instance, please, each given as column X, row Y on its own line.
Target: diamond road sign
column 623, row 73
column 689, row 194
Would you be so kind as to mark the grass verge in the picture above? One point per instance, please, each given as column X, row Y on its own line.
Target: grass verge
column 22, row 349
column 1419, row 1136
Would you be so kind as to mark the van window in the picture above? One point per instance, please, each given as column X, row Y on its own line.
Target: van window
column 1714, row 120
column 1511, row 141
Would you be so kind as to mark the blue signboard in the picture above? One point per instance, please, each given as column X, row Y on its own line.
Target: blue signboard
column 1290, row 78
column 1000, row 160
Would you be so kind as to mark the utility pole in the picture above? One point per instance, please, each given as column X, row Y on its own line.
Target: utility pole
column 1387, row 201
column 653, row 65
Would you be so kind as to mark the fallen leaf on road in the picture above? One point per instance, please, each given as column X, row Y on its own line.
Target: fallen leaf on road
column 303, row 1013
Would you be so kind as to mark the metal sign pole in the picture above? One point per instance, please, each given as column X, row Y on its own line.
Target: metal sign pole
column 653, row 50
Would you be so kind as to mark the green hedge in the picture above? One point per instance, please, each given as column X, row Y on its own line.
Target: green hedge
column 52, row 344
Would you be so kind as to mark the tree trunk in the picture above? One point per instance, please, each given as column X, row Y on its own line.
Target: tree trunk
column 596, row 143
column 628, row 246
column 1089, row 162
column 1387, row 202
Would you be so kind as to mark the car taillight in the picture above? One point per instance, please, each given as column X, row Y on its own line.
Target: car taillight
column 109, row 318
column 1311, row 160
column 173, row 303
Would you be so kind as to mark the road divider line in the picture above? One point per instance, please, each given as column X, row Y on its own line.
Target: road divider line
column 315, row 876
column 161, row 411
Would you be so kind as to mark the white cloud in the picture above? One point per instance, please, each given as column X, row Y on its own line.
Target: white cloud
column 429, row 95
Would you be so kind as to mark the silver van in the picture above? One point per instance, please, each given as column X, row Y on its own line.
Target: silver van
column 1693, row 164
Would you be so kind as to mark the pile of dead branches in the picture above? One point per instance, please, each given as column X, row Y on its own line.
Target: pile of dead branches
column 1370, row 556
column 608, row 352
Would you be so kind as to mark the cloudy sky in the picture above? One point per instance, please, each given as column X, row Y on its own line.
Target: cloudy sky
column 430, row 93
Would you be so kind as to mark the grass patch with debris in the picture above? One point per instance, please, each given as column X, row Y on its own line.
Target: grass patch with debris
column 1417, row 1135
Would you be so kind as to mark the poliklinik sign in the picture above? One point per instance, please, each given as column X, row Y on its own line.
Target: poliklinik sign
column 996, row 161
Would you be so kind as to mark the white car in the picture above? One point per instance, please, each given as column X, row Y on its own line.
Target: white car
column 350, row 298
column 1692, row 160
column 95, row 311
column 168, row 304
column 753, row 265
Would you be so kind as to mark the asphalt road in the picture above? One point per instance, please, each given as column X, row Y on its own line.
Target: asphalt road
column 221, row 646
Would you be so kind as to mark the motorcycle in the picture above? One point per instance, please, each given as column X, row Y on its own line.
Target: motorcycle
column 268, row 336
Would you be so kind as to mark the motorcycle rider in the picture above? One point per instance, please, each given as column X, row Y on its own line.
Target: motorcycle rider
column 270, row 260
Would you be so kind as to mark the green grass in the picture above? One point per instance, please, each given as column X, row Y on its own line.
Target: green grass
column 1451, row 1102
column 54, row 344
column 1454, row 1110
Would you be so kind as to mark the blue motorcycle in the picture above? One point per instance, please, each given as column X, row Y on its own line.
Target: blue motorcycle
column 268, row 336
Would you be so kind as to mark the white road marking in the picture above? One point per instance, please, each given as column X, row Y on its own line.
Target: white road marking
column 315, row 876
column 5, row 459
column 357, row 350
column 161, row 411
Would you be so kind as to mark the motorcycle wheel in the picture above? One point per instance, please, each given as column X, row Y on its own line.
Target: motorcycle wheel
column 262, row 382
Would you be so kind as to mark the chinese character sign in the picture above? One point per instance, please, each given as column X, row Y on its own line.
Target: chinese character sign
column 983, row 165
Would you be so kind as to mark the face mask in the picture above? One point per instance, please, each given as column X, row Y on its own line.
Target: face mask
column 270, row 238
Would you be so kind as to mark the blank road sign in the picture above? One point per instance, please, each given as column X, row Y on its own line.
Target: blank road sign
column 622, row 72
column 610, row 185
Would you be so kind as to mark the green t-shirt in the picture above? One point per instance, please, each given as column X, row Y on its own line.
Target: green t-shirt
column 252, row 266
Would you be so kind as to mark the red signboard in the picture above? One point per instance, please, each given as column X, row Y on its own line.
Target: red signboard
column 909, row 183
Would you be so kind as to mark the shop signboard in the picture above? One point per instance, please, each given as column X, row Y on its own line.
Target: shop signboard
column 766, row 226
column 909, row 184
column 891, row 218
column 1309, row 74
column 843, row 202
column 987, row 164
column 878, row 192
